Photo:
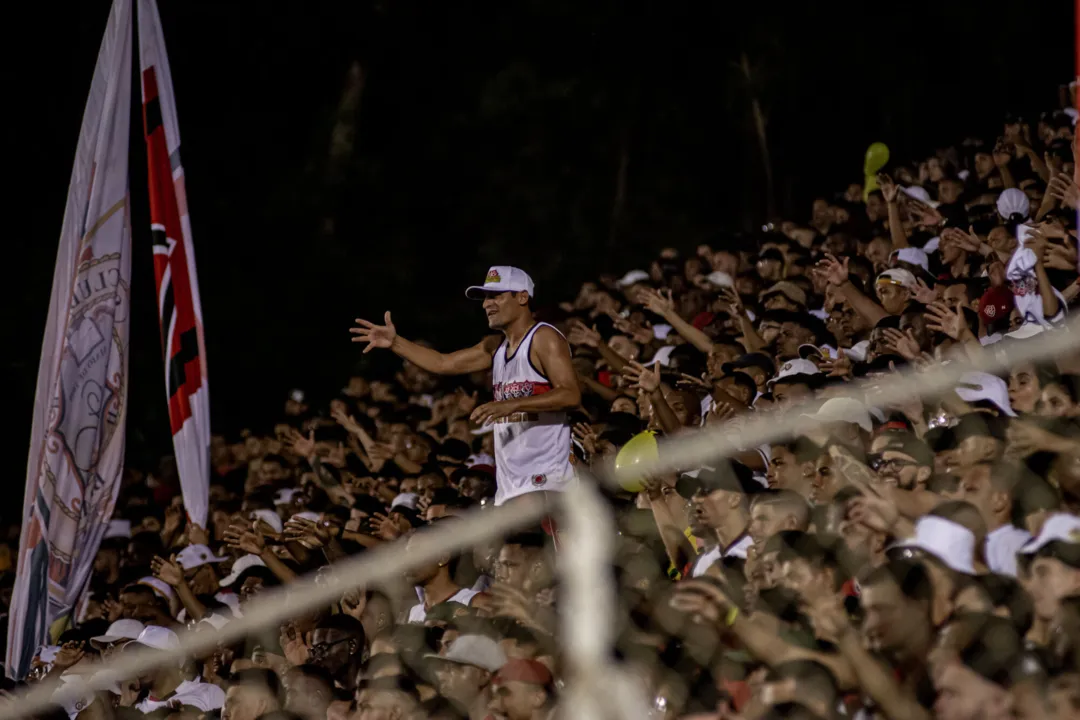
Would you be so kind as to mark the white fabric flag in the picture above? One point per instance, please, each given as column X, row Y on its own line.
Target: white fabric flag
column 77, row 439
column 179, row 308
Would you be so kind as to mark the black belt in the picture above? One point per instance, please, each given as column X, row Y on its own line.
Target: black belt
column 519, row 417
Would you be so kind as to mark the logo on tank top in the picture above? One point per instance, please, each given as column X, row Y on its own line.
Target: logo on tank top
column 511, row 390
column 539, row 480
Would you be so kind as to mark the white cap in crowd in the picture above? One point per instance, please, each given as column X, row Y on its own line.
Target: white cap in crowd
column 478, row 650
column 285, row 495
column 408, row 500
column 1011, row 201
column 661, row 331
column 915, row 192
column 979, row 386
column 215, row 620
column 194, row 556
column 503, row 278
column 307, row 515
column 242, row 563
column 795, row 367
column 634, row 276
column 160, row 588
column 719, row 278
column 160, row 638
column 123, row 629
column 912, row 256
column 1061, row 527
column 270, row 517
column 897, row 276
column 847, row 410
column 948, row 541
column 663, row 356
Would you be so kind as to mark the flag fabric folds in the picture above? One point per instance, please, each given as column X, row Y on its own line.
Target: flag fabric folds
column 77, row 439
column 179, row 308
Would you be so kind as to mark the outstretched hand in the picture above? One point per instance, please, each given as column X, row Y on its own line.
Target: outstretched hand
column 642, row 377
column 376, row 336
column 832, row 270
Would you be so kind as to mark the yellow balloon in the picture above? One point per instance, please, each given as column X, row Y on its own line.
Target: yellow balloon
column 641, row 448
column 870, row 184
column 877, row 155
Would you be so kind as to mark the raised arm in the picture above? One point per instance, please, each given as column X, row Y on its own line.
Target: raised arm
column 835, row 271
column 461, row 362
column 664, row 306
column 889, row 190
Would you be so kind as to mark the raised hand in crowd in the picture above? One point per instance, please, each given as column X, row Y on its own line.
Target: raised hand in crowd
column 832, row 270
column 241, row 537
column 1064, row 190
column 168, row 570
column 642, row 378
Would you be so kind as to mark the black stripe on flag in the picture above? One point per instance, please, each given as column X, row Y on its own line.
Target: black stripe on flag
column 189, row 350
column 153, row 116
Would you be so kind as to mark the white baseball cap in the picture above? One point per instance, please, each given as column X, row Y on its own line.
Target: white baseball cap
column 795, row 367
column 918, row 193
column 477, row 650
column 124, row 629
column 912, row 256
column 194, row 556
column 270, row 517
column 661, row 331
column 842, row 409
column 1061, row 527
column 663, row 356
column 215, row 620
column 1012, row 201
column 285, row 495
column 719, row 278
column 241, row 564
column 160, row 588
column 160, row 638
column 408, row 500
column 500, row 279
column 634, row 276
column 897, row 276
column 977, row 386
column 948, row 541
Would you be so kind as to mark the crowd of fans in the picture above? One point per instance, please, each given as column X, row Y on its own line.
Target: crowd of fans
column 910, row 560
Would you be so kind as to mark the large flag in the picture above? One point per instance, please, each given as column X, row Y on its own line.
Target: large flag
column 174, row 267
column 77, row 439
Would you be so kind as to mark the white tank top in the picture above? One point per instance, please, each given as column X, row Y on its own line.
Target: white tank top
column 417, row 613
column 532, row 450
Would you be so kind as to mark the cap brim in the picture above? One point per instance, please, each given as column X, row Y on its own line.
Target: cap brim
column 687, row 486
column 108, row 639
column 479, row 292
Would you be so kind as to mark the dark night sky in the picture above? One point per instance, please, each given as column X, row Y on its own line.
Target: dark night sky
column 487, row 132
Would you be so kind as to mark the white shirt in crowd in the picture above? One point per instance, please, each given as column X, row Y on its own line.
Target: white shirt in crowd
column 198, row 694
column 709, row 558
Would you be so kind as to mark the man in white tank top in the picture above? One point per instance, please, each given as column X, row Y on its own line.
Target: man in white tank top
column 534, row 383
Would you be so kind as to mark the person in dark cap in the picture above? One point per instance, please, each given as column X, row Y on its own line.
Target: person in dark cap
column 720, row 500
column 905, row 461
column 757, row 365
